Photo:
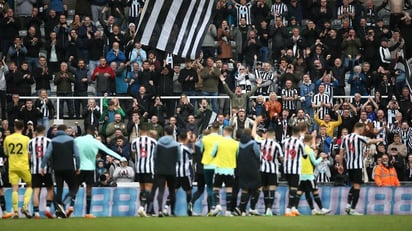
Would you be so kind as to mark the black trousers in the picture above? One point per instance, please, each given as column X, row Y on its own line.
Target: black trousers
column 68, row 176
column 171, row 182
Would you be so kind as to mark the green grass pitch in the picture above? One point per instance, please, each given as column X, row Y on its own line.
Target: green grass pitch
column 308, row 223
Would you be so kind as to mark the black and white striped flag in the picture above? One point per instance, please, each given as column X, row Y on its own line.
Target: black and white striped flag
column 175, row 26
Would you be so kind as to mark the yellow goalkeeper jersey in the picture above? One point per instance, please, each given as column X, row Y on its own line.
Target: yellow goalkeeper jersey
column 16, row 148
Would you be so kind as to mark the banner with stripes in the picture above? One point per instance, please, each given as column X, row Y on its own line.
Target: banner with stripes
column 175, row 26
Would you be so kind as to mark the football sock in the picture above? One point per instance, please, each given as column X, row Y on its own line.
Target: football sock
column 36, row 209
column 27, row 197
column 88, row 203
column 15, row 201
column 271, row 198
column 148, row 197
column 292, row 195
column 229, row 201
column 254, row 198
column 296, row 200
column 142, row 199
column 48, row 203
column 355, row 198
column 350, row 195
column 266, row 198
column 2, row 203
column 309, row 200
column 188, row 196
column 244, row 197
column 216, row 197
column 318, row 201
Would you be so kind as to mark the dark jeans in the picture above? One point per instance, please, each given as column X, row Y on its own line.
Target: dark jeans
column 78, row 103
column 69, row 103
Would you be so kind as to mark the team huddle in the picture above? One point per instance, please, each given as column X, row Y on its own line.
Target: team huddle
column 249, row 164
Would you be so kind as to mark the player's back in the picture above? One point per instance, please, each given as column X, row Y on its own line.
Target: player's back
column 16, row 148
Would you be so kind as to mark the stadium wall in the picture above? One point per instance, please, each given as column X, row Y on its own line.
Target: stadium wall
column 123, row 201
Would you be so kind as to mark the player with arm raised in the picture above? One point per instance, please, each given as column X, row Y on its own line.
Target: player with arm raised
column 352, row 148
column 88, row 147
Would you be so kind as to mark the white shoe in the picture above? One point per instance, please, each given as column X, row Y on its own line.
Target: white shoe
column 243, row 214
column 354, row 213
column 315, row 212
column 325, row 211
column 216, row 211
column 295, row 211
column 347, row 209
column 166, row 211
column 269, row 212
column 141, row 212
column 254, row 212
column 228, row 214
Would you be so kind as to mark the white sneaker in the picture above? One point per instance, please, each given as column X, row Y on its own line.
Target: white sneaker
column 315, row 212
column 166, row 211
column 36, row 215
column 228, row 214
column 253, row 212
column 269, row 212
column 217, row 210
column 141, row 212
column 243, row 214
column 354, row 213
column 347, row 209
column 324, row 211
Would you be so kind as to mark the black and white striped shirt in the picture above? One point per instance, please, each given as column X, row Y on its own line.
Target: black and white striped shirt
column 289, row 104
column 266, row 77
column 293, row 150
column 281, row 10
column 37, row 148
column 318, row 99
column 270, row 153
column 344, row 10
column 244, row 11
column 134, row 9
column 378, row 125
column 185, row 162
column 44, row 109
column 353, row 145
column 143, row 148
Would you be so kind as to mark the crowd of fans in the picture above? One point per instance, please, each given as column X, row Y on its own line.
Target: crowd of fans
column 294, row 57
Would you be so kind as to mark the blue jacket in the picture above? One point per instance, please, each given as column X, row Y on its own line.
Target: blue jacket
column 307, row 91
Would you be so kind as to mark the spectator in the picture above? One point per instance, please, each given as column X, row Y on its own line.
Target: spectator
column 210, row 76
column 55, row 53
column 188, row 77
column 357, row 80
column 123, row 173
column 75, row 45
column 408, row 172
column 63, row 82
column 138, row 54
column 103, row 75
column 326, row 121
column 91, row 114
column 385, row 174
column 289, row 97
column 80, row 86
column 9, row 30
column 33, row 43
column 3, row 81
column 239, row 98
column 401, row 148
column 29, row 113
column 155, row 125
column 115, row 54
column 17, row 51
column 224, row 38
column 398, row 162
column 24, row 80
column 42, row 76
column 46, row 108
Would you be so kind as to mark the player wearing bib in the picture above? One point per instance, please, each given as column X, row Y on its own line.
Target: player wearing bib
column 16, row 149
column 307, row 178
